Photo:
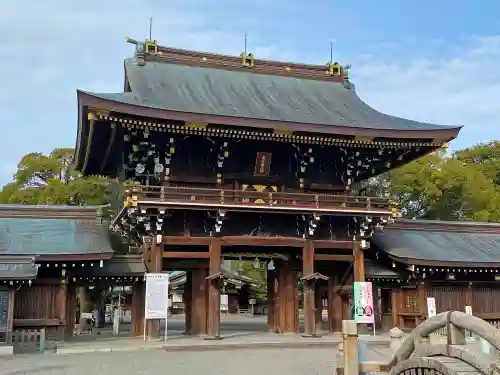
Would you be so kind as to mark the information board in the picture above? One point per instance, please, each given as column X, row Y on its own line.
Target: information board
column 363, row 302
column 156, row 304
column 224, row 302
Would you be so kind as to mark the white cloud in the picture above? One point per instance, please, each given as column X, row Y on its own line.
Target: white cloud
column 462, row 89
column 59, row 45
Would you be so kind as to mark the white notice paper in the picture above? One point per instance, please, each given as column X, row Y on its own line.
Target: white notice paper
column 156, row 304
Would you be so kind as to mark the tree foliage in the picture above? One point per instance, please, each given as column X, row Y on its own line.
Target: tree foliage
column 51, row 179
column 464, row 185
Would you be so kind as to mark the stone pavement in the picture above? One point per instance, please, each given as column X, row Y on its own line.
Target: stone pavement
column 239, row 332
column 239, row 362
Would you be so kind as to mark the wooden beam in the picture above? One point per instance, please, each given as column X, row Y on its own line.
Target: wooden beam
column 186, row 240
column 262, row 241
column 333, row 244
column 186, row 254
column 334, row 257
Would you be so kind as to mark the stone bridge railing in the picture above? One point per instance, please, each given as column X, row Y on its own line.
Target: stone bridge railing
column 418, row 355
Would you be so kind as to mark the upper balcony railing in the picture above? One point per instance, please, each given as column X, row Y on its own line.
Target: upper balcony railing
column 199, row 198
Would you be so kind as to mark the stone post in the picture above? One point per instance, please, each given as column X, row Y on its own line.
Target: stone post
column 396, row 336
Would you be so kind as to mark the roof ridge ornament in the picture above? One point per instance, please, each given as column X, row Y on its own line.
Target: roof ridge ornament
column 247, row 59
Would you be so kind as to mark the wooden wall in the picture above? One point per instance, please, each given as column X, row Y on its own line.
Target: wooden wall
column 408, row 305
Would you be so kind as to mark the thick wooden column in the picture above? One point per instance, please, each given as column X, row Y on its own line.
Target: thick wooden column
column 11, row 292
column 359, row 262
column 318, row 306
column 214, row 286
column 138, row 301
column 154, row 259
column 396, row 302
column 199, row 299
column 270, row 300
column 187, row 299
column 61, row 308
column 309, row 293
column 422, row 289
column 334, row 302
column 70, row 310
column 288, row 299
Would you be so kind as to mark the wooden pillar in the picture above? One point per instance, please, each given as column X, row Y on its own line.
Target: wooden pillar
column 153, row 252
column 61, row 309
column 396, row 294
column 334, row 302
column 138, row 301
column 187, row 299
column 468, row 295
column 214, row 286
column 359, row 262
column 11, row 295
column 422, row 301
column 270, row 300
column 70, row 311
column 318, row 303
column 288, row 298
column 309, row 287
column 199, row 290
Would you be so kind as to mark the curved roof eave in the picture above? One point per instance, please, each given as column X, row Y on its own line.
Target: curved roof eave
column 440, row 263
column 130, row 104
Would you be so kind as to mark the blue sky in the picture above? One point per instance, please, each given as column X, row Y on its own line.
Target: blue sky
column 435, row 61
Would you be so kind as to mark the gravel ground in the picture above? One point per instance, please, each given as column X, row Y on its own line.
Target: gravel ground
column 234, row 362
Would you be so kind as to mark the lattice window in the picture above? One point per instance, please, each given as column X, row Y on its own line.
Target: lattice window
column 410, row 304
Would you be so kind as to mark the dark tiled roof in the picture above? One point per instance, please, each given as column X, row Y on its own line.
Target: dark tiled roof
column 212, row 91
column 52, row 231
column 377, row 271
column 18, row 269
column 435, row 242
column 118, row 266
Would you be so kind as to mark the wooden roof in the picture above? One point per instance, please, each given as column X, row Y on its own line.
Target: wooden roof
column 441, row 243
column 53, row 233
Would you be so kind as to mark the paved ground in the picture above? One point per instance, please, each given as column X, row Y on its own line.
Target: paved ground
column 156, row 362
column 237, row 331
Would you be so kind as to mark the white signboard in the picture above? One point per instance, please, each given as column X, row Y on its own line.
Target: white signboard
column 224, row 302
column 156, row 305
column 431, row 307
column 468, row 310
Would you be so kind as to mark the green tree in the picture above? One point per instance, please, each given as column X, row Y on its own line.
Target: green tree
column 460, row 186
column 51, row 179
column 258, row 275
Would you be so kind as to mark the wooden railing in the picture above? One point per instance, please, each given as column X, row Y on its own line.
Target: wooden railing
column 191, row 196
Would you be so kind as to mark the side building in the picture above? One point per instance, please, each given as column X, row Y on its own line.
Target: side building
column 456, row 263
column 46, row 254
column 241, row 158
